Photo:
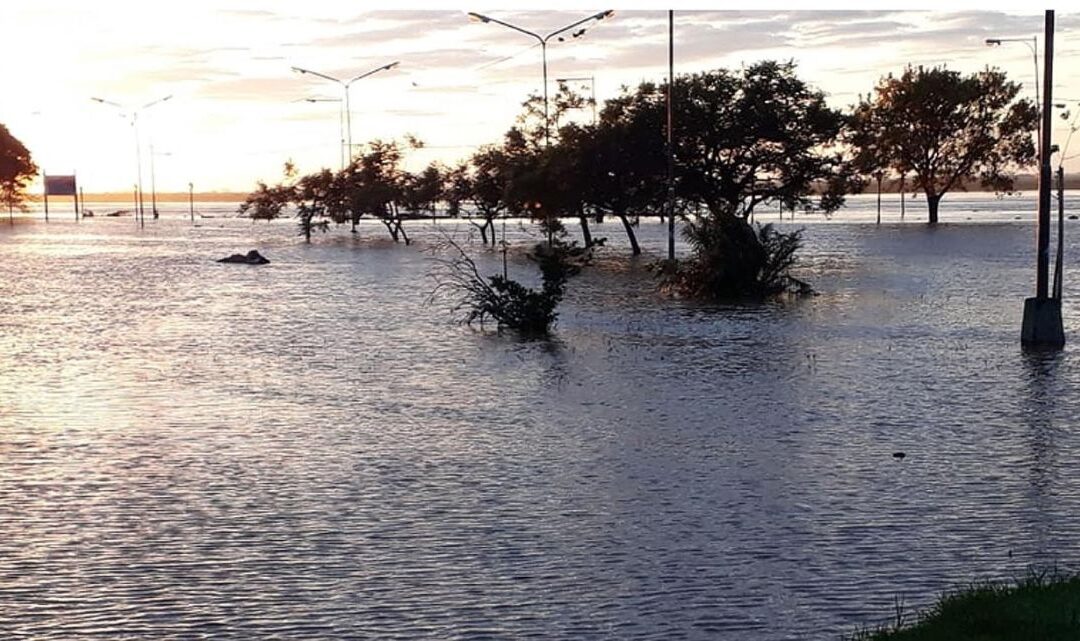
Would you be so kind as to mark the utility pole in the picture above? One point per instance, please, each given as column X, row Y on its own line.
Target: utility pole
column 1042, row 326
column 670, row 139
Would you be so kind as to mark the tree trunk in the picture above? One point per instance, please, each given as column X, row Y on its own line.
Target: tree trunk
column 401, row 229
column 879, row 177
column 634, row 247
column 390, row 228
column 932, row 201
column 483, row 230
column 585, row 233
column 902, row 179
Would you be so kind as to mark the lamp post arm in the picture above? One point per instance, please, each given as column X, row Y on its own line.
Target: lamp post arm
column 109, row 102
column 509, row 26
column 151, row 104
column 598, row 16
column 316, row 73
column 374, row 71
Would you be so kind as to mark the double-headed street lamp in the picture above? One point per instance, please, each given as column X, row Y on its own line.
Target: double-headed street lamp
column 345, row 87
column 134, row 115
column 543, row 40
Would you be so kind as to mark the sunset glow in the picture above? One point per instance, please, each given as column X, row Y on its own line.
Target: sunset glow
column 239, row 112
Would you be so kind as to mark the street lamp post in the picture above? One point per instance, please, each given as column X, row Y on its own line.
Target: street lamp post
column 592, row 90
column 1042, row 326
column 543, row 40
column 134, row 115
column 345, row 88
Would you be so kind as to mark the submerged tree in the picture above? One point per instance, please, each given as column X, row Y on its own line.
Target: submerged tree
column 476, row 298
column 16, row 170
column 745, row 138
column 945, row 128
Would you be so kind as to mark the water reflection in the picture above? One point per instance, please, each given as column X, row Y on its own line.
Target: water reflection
column 309, row 451
column 1041, row 376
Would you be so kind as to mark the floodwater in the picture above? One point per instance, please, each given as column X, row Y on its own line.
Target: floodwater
column 310, row 450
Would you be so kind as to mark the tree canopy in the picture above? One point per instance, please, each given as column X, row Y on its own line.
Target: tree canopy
column 16, row 170
column 946, row 128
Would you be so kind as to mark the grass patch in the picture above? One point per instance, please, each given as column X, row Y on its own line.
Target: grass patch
column 1045, row 606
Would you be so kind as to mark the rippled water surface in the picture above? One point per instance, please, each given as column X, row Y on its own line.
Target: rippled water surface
column 308, row 450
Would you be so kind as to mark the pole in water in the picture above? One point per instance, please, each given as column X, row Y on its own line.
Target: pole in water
column 1042, row 326
column 45, row 180
column 1059, row 259
column 191, row 200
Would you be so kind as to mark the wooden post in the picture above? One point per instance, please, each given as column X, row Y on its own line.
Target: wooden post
column 45, row 186
column 191, row 200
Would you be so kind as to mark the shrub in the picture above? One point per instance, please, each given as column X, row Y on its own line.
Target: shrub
column 731, row 259
column 478, row 299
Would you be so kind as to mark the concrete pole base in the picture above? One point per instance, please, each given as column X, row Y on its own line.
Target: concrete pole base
column 1042, row 323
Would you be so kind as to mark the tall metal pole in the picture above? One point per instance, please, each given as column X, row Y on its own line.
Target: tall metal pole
column 1042, row 327
column 671, row 138
column 1043, row 234
column 191, row 200
column 348, row 121
column 153, row 184
column 341, row 132
column 1060, row 258
column 592, row 79
column 140, row 214
column 547, row 133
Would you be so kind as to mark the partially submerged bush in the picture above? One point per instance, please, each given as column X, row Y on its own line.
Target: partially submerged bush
column 733, row 260
column 511, row 305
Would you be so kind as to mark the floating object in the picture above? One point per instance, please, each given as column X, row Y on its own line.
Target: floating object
column 253, row 257
column 1073, row 216
column 898, row 455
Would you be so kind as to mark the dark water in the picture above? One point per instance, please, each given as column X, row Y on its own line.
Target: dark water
column 307, row 450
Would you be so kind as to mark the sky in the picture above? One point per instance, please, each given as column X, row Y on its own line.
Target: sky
column 237, row 111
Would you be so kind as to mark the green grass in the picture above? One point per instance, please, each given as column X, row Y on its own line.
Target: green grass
column 1044, row 606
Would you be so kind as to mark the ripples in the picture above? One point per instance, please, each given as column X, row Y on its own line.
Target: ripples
column 309, row 451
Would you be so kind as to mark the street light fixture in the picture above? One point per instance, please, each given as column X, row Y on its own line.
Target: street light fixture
column 543, row 40
column 592, row 90
column 345, row 87
column 134, row 115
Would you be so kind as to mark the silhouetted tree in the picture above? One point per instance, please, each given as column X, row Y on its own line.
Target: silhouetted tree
column 485, row 186
column 16, row 170
column 620, row 167
column 474, row 297
column 375, row 186
column 268, row 202
column 316, row 200
column 945, row 128
column 745, row 138
column 421, row 192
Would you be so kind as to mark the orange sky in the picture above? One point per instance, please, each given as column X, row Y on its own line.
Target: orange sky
column 237, row 111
